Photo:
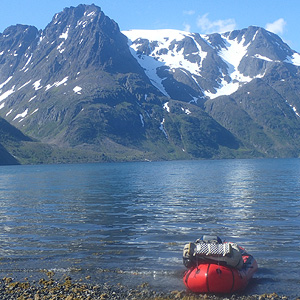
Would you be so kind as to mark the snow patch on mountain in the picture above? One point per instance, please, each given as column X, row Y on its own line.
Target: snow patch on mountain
column 162, row 128
column 263, row 57
column 225, row 88
column 26, row 83
column 186, row 110
column 37, row 85
column 59, row 47
column 34, row 111
column 65, row 34
column 93, row 13
column 163, row 53
column 77, row 90
column 150, row 65
column 32, row 98
column 166, row 107
column 232, row 55
column 9, row 112
column 57, row 83
column 293, row 108
column 27, row 62
column 173, row 57
column 294, row 59
column 22, row 115
column 7, row 93
column 152, row 62
column 142, row 120
column 5, row 82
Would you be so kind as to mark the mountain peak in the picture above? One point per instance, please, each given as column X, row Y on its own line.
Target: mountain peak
column 81, row 17
column 77, row 13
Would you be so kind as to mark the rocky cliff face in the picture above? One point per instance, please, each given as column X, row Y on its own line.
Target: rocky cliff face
column 82, row 84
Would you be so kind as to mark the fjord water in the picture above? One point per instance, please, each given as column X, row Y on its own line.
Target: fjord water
column 128, row 222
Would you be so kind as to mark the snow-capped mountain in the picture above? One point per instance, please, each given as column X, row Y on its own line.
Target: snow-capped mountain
column 230, row 59
column 200, row 69
column 81, row 83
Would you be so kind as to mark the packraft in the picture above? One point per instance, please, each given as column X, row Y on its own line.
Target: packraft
column 217, row 267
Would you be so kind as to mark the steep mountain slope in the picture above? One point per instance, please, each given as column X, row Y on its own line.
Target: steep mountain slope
column 102, row 95
column 10, row 138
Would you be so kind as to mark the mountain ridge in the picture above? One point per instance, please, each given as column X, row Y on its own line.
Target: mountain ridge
column 83, row 85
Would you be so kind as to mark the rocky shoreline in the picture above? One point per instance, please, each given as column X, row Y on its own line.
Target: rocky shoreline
column 48, row 288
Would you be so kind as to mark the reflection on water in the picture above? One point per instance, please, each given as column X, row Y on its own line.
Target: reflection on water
column 134, row 218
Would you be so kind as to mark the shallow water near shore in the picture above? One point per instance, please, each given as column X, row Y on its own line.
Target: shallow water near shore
column 128, row 222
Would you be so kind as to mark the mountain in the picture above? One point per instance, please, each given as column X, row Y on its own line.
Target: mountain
column 247, row 80
column 82, row 90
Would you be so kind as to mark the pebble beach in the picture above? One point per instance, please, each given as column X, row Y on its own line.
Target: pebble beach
column 48, row 288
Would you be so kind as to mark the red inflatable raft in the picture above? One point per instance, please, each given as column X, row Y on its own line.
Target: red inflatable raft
column 216, row 276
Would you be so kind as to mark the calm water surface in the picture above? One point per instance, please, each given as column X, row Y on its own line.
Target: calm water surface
column 128, row 222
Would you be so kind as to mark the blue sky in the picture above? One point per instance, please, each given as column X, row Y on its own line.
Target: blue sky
column 202, row 16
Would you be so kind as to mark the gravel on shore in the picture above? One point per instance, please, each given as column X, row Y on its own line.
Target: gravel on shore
column 48, row 288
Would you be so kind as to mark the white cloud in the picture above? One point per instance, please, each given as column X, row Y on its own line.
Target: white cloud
column 277, row 26
column 187, row 27
column 189, row 12
column 208, row 26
